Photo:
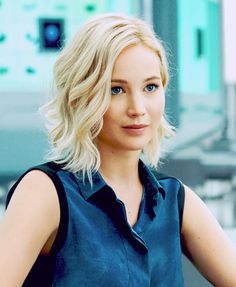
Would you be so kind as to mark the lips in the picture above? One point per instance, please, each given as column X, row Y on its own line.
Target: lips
column 140, row 126
column 135, row 130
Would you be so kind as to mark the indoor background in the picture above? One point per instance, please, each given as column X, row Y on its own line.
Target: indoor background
column 200, row 39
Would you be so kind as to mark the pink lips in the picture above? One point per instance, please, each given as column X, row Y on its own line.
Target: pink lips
column 135, row 129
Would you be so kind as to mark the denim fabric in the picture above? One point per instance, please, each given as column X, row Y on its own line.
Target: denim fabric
column 102, row 249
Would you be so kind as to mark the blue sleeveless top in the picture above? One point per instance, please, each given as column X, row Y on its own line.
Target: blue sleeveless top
column 96, row 246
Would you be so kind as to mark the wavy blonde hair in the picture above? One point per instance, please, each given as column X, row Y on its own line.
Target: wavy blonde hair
column 82, row 78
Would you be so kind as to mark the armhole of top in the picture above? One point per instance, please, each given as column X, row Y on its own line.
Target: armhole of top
column 50, row 169
column 181, row 199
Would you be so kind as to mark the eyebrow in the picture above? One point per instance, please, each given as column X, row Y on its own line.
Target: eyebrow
column 125, row 82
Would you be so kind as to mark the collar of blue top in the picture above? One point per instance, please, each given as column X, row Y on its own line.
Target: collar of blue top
column 100, row 190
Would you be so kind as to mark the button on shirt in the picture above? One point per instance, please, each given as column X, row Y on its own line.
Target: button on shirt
column 102, row 249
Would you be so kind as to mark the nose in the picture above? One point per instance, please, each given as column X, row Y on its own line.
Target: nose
column 136, row 105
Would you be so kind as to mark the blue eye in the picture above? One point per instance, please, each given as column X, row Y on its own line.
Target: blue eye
column 116, row 90
column 151, row 88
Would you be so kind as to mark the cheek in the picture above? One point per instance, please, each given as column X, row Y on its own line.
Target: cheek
column 109, row 117
column 156, row 110
column 114, row 111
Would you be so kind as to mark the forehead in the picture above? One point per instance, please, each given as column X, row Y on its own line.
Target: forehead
column 135, row 60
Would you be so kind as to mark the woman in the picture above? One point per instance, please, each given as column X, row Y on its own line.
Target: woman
column 97, row 215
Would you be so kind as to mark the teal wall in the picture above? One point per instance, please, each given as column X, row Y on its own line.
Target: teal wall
column 199, row 74
column 214, row 49
column 193, row 71
column 200, row 56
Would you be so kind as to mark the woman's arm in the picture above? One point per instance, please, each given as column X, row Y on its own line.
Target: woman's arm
column 206, row 244
column 30, row 222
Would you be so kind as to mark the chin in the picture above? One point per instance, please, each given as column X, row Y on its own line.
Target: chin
column 137, row 147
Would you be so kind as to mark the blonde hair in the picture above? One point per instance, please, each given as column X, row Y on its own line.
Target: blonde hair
column 82, row 77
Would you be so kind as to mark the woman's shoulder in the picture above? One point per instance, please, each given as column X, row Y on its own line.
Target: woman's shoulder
column 34, row 191
column 41, row 179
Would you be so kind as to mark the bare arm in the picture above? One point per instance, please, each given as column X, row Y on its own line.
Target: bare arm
column 206, row 244
column 30, row 221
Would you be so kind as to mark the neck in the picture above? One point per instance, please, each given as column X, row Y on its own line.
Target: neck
column 120, row 168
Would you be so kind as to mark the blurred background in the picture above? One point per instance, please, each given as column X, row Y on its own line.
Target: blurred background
column 200, row 39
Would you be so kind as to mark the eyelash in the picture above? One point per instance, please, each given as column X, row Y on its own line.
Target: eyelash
column 121, row 90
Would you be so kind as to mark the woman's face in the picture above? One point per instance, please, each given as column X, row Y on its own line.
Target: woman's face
column 137, row 101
